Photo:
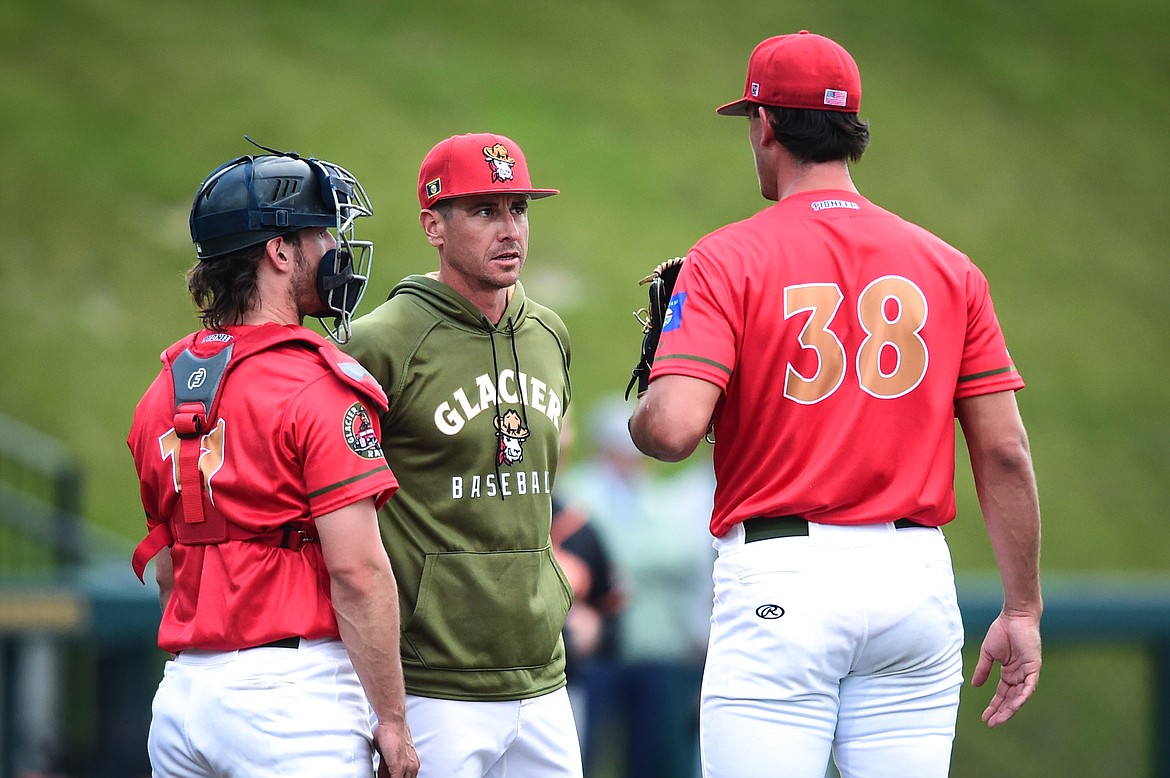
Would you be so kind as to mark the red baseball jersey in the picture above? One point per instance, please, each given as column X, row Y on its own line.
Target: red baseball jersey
column 292, row 442
column 841, row 336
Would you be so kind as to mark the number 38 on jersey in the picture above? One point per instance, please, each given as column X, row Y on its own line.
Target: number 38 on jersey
column 890, row 361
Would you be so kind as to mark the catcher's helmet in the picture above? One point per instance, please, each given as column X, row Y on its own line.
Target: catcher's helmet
column 253, row 199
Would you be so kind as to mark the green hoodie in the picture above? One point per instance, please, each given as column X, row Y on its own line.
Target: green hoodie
column 472, row 435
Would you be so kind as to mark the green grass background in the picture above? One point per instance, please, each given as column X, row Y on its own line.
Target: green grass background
column 1030, row 134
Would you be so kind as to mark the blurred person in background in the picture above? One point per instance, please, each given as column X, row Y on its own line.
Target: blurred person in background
column 590, row 634
column 647, row 697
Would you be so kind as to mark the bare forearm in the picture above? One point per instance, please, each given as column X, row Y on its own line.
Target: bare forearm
column 365, row 601
column 1008, row 497
column 1002, row 465
column 367, row 617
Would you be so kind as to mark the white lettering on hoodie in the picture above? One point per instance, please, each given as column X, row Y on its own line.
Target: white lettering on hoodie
column 511, row 387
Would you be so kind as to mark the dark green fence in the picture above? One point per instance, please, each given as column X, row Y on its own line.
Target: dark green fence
column 40, row 503
column 77, row 651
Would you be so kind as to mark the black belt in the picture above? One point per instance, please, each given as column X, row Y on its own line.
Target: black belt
column 768, row 527
column 294, row 642
column 282, row 643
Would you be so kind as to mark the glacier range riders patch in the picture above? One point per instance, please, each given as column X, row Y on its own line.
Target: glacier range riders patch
column 359, row 433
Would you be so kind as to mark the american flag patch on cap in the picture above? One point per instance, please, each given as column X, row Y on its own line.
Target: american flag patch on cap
column 836, row 97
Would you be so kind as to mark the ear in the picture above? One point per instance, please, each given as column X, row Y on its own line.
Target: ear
column 279, row 253
column 767, row 134
column 433, row 226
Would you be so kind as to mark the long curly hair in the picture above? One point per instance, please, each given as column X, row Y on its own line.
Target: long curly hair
column 225, row 288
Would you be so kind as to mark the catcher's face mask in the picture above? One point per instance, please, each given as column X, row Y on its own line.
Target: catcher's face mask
column 253, row 199
column 344, row 271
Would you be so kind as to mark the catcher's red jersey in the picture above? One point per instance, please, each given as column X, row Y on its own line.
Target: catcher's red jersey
column 292, row 442
column 828, row 321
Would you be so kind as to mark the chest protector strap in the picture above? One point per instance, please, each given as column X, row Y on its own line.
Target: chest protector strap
column 197, row 381
column 198, row 385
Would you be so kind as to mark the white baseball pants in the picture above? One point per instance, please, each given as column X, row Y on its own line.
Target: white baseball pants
column 533, row 738
column 845, row 643
column 262, row 712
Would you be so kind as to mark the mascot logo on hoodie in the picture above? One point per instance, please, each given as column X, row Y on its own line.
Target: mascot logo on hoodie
column 511, row 432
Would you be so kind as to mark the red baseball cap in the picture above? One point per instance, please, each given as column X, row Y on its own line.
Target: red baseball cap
column 799, row 71
column 476, row 163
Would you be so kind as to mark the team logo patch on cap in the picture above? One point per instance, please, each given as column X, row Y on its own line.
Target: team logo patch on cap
column 836, row 97
column 434, row 187
column 755, row 89
column 359, row 433
column 500, row 162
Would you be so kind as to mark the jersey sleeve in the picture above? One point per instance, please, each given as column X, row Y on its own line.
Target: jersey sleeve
column 145, row 449
column 702, row 327
column 987, row 366
column 337, row 437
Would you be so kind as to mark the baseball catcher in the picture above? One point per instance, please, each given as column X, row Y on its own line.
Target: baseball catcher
column 653, row 318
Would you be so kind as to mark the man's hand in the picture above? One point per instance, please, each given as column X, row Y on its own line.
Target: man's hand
column 399, row 759
column 1013, row 640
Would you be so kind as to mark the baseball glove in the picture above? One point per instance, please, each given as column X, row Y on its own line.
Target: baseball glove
column 652, row 317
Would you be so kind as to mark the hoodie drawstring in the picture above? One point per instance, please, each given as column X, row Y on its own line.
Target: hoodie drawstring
column 498, row 458
column 499, row 418
column 516, row 363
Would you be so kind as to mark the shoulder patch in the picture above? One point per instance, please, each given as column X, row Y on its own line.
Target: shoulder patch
column 359, row 433
column 672, row 320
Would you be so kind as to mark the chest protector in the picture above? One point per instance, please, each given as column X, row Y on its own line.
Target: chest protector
column 198, row 384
